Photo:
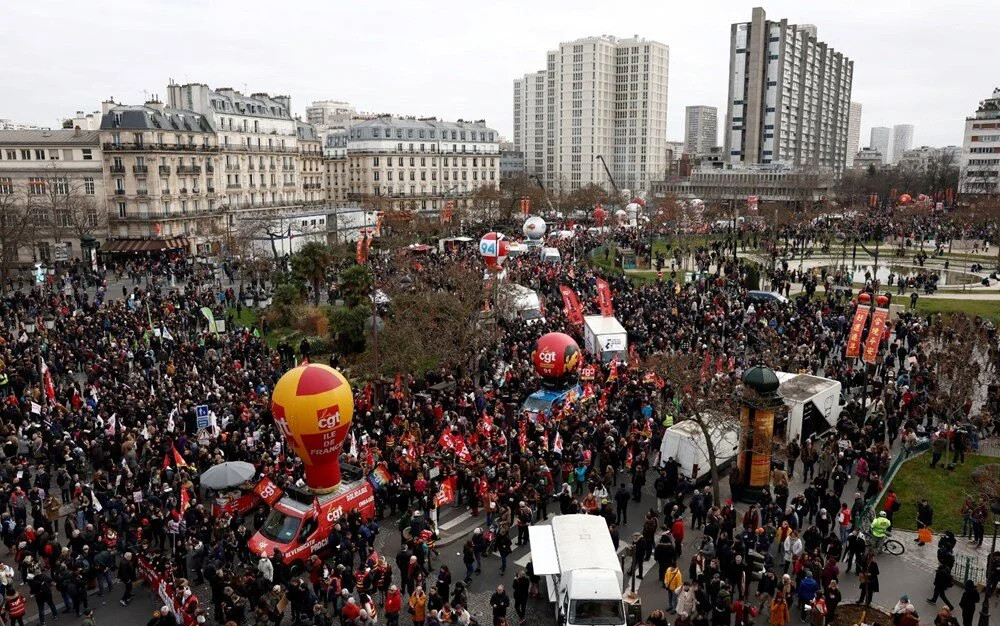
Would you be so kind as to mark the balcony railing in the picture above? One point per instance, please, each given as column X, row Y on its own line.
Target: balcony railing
column 233, row 186
column 166, row 147
column 119, row 192
column 210, row 169
column 211, row 189
column 164, row 169
column 142, row 192
column 183, row 190
column 140, row 169
column 289, row 184
column 117, row 169
column 189, row 169
column 232, row 168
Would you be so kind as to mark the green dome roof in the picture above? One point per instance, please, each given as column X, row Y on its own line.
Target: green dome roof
column 761, row 379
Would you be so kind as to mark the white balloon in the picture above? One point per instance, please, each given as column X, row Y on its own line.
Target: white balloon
column 534, row 227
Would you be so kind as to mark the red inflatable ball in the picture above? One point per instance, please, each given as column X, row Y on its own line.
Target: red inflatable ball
column 556, row 356
column 905, row 200
column 922, row 198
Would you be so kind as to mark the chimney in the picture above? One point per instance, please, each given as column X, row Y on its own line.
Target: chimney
column 156, row 105
column 107, row 105
column 76, row 131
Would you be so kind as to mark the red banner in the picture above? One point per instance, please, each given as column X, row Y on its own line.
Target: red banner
column 525, row 205
column 857, row 327
column 268, row 491
column 604, row 298
column 875, row 334
column 571, row 305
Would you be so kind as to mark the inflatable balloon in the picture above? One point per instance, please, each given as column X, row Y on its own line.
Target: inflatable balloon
column 312, row 406
column 922, row 198
column 599, row 215
column 494, row 249
column 534, row 227
column 638, row 201
column 905, row 200
column 556, row 356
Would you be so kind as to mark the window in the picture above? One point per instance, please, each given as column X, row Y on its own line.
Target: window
column 6, row 186
column 26, row 154
column 121, row 210
column 36, row 186
column 60, row 186
column 40, row 155
column 11, row 155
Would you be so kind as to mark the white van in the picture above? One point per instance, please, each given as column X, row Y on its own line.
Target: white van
column 551, row 255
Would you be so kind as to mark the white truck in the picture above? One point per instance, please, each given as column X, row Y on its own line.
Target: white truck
column 685, row 443
column 605, row 337
column 814, row 406
column 517, row 302
column 576, row 557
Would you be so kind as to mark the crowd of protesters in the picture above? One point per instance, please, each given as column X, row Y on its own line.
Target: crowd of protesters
column 102, row 454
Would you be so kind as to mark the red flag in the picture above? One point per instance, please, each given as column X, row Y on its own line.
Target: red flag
column 628, row 458
column 484, row 486
column 166, row 461
column 706, row 367
column 446, row 441
column 446, row 493
column 185, row 501
column 588, row 372
column 502, row 439
column 603, row 402
column 522, row 438
column 571, row 305
column 178, row 459
column 604, row 298
column 50, row 390
column 557, row 443
column 462, row 452
column 486, row 424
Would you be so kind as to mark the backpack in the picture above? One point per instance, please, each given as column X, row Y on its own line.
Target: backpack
column 895, row 505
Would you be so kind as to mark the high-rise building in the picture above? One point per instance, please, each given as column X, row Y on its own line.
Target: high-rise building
column 598, row 96
column 330, row 113
column 980, row 164
column 902, row 140
column 789, row 96
column 880, row 142
column 853, row 133
column 701, row 132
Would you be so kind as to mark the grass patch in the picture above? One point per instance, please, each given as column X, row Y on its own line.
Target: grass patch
column 944, row 489
column 985, row 308
column 246, row 316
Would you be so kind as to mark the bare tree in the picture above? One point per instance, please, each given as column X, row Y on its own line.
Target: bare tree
column 16, row 227
column 66, row 208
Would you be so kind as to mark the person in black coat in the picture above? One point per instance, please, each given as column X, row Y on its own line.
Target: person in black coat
column 521, row 587
column 499, row 601
column 665, row 554
column 942, row 581
column 968, row 602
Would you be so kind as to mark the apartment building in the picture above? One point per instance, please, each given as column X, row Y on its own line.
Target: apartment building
column 789, row 96
column 52, row 194
column 902, row 140
column 161, row 167
column 879, row 142
column 853, row 133
column 597, row 96
column 980, row 163
column 335, row 165
column 417, row 164
column 701, row 129
column 311, row 169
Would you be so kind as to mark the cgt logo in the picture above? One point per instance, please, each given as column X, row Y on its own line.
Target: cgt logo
column 334, row 514
column 547, row 356
column 329, row 418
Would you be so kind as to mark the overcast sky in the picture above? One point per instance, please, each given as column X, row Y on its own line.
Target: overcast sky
column 917, row 62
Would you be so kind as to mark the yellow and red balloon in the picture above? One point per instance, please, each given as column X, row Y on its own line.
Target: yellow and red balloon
column 312, row 406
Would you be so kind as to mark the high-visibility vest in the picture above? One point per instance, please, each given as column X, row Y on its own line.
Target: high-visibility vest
column 668, row 420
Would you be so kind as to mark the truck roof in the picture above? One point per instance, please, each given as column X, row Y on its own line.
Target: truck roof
column 801, row 387
column 583, row 542
column 601, row 325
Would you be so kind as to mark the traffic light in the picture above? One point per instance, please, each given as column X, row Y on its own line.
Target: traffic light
column 755, row 564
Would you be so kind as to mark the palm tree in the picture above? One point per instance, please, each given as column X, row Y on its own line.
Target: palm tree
column 356, row 285
column 310, row 264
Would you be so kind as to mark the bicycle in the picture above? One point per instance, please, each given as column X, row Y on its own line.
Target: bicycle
column 887, row 545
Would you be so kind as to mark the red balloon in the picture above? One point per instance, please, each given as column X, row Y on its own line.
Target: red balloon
column 905, row 200
column 556, row 355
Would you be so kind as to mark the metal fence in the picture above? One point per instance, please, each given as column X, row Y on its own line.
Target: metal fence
column 869, row 512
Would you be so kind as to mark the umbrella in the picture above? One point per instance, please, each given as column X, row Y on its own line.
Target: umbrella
column 228, row 474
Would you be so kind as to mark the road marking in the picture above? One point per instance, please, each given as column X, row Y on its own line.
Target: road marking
column 455, row 522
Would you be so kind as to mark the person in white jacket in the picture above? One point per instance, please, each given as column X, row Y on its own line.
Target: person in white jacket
column 793, row 549
column 686, row 601
column 265, row 567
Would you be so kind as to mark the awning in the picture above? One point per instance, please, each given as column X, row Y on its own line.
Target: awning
column 419, row 247
column 144, row 245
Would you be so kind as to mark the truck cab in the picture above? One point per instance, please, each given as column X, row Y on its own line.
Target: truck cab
column 544, row 400
column 294, row 520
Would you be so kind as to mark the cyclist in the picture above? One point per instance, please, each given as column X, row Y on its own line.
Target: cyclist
column 880, row 526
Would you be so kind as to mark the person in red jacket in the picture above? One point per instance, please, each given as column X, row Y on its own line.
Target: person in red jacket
column 16, row 607
column 677, row 530
column 393, row 605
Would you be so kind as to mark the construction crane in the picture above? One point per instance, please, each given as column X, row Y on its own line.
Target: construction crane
column 544, row 192
column 618, row 193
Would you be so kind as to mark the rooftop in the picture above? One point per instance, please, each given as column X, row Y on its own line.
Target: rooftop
column 144, row 117
column 49, row 137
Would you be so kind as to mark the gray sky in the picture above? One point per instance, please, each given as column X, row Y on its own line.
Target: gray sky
column 918, row 62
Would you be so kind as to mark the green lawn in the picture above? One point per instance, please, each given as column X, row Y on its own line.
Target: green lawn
column 985, row 308
column 944, row 489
